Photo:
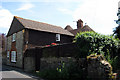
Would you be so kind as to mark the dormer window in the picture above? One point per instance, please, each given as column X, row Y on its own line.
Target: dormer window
column 57, row 37
column 13, row 37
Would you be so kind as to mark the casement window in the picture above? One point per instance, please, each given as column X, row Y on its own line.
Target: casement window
column 8, row 54
column 13, row 56
column 13, row 37
column 57, row 37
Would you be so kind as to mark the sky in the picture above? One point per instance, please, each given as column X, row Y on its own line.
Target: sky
column 100, row 15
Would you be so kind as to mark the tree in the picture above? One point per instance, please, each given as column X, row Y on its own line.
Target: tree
column 117, row 32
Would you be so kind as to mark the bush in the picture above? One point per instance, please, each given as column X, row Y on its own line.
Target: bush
column 94, row 43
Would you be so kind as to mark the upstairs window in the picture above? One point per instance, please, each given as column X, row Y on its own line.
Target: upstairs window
column 13, row 56
column 13, row 37
column 57, row 37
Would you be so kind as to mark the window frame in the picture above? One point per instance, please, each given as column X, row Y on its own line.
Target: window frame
column 13, row 56
column 14, row 37
column 57, row 37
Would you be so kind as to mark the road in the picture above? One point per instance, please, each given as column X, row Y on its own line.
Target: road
column 16, row 74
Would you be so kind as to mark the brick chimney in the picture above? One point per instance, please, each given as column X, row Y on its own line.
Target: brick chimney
column 79, row 24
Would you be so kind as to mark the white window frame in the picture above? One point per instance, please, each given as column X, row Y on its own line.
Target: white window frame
column 8, row 54
column 13, row 37
column 13, row 56
column 57, row 37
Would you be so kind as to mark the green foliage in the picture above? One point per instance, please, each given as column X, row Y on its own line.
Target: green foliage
column 91, row 42
column 113, row 61
column 50, row 74
column 63, row 72
column 117, row 32
column 94, row 43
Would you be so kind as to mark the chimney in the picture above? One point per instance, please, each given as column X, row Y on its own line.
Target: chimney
column 79, row 24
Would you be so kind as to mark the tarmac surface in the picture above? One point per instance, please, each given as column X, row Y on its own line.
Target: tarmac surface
column 13, row 73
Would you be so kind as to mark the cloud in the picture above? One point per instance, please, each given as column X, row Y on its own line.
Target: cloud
column 5, row 19
column 98, row 14
column 26, row 6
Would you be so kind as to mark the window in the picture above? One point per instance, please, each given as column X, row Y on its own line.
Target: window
column 13, row 56
column 57, row 37
column 8, row 54
column 13, row 37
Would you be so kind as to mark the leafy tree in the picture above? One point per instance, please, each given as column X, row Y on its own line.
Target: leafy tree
column 91, row 42
column 94, row 43
column 117, row 32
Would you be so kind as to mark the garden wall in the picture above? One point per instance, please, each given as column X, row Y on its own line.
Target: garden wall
column 54, row 63
column 54, row 57
column 38, row 58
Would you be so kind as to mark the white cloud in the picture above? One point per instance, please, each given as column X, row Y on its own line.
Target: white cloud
column 26, row 6
column 98, row 14
column 5, row 19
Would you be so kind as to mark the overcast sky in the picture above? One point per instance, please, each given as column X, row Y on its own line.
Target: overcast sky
column 98, row 14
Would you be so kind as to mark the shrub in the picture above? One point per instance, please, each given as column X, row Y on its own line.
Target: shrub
column 91, row 42
column 63, row 72
column 94, row 43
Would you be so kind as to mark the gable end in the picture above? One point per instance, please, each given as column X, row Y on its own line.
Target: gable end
column 15, row 27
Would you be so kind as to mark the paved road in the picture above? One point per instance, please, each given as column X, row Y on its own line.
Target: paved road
column 16, row 74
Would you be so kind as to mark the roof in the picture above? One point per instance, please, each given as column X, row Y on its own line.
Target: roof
column 68, row 27
column 85, row 28
column 40, row 26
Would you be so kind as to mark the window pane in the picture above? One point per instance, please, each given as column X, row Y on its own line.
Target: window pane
column 57, row 37
column 14, row 37
column 13, row 56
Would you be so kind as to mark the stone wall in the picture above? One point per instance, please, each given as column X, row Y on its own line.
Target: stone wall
column 48, row 56
column 19, row 49
column 99, row 68
column 95, row 66
column 9, row 40
column 54, row 63
column 29, row 64
column 9, row 44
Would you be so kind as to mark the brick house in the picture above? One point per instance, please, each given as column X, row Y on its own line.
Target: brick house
column 24, row 34
column 80, row 28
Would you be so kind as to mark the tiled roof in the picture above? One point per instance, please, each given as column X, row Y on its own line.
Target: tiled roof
column 85, row 28
column 40, row 26
column 68, row 27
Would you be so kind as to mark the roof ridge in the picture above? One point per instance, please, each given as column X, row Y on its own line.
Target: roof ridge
column 38, row 21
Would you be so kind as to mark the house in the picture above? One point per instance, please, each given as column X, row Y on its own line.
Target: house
column 80, row 28
column 24, row 34
column 2, row 42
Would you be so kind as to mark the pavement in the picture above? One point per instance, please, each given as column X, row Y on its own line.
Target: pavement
column 13, row 73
